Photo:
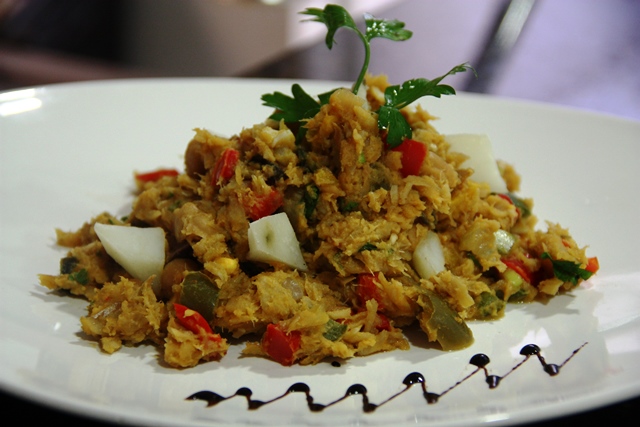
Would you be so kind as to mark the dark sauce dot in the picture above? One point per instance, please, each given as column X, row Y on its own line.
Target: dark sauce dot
column 316, row 407
column 369, row 407
column 335, row 364
column 244, row 391
column 255, row 404
column 208, row 396
column 493, row 381
column 552, row 369
column 431, row 397
column 299, row 388
column 413, row 378
column 356, row 389
column 480, row 360
column 530, row 350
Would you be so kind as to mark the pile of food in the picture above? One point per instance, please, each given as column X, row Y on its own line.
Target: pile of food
column 320, row 233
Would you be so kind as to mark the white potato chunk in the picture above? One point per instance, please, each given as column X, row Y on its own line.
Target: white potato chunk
column 140, row 251
column 272, row 239
column 478, row 148
column 428, row 257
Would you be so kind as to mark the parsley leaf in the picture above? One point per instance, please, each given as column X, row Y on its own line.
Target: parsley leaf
column 291, row 109
column 402, row 95
column 391, row 29
column 391, row 121
column 336, row 17
column 294, row 109
column 567, row 271
column 81, row 277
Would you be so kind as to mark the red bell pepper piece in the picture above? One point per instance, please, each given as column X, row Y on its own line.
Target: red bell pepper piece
column 225, row 166
column 191, row 319
column 155, row 175
column 280, row 345
column 505, row 197
column 383, row 323
column 510, row 200
column 519, row 267
column 367, row 289
column 593, row 265
column 261, row 205
column 413, row 154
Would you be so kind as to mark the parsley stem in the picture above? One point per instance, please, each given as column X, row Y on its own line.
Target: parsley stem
column 365, row 66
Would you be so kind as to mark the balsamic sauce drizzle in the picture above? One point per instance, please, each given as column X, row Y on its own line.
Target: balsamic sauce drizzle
column 480, row 361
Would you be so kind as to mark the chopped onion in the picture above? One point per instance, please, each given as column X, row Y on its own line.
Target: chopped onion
column 504, row 241
column 428, row 257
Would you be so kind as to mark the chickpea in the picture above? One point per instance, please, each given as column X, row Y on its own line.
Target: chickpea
column 194, row 160
column 173, row 274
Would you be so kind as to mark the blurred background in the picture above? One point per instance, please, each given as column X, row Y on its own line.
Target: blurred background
column 580, row 53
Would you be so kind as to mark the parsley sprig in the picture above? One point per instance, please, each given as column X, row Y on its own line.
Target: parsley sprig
column 392, row 124
column 336, row 17
column 390, row 119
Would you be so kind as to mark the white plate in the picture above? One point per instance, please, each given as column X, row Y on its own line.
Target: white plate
column 69, row 151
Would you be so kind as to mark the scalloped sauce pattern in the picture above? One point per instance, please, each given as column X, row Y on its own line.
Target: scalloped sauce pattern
column 480, row 361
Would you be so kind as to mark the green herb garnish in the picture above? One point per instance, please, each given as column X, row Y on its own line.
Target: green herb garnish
column 520, row 204
column 310, row 200
column 391, row 122
column 334, row 330
column 81, row 276
column 295, row 109
column 567, row 271
column 336, row 17
column 390, row 119
column 368, row 247
column 346, row 206
column 292, row 109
